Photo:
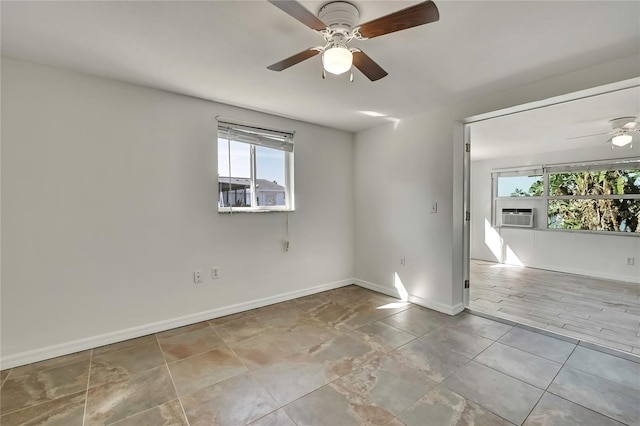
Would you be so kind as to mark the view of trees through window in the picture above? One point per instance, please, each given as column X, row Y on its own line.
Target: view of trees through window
column 602, row 200
column 594, row 200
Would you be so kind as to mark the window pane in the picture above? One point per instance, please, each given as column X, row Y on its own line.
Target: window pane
column 234, row 183
column 616, row 215
column 270, row 181
column 520, row 186
column 605, row 182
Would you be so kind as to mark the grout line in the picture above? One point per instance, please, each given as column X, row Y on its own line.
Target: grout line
column 5, row 379
column 166, row 365
column 86, row 394
column 2, row 414
column 55, row 398
column 586, row 408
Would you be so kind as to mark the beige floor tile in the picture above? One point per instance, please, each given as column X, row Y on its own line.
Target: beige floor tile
column 352, row 356
column 200, row 371
column 116, row 401
column 43, row 385
column 168, row 414
column 444, row 407
column 236, row 401
column 65, row 411
column 120, row 365
column 180, row 346
column 126, row 344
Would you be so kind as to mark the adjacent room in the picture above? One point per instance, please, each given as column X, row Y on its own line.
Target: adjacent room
column 265, row 212
column 562, row 258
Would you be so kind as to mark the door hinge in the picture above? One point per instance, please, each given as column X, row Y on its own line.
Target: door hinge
column 466, row 283
column 467, row 147
column 467, row 216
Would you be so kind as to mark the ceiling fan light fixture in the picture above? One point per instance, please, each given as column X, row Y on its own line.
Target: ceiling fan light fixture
column 622, row 139
column 337, row 60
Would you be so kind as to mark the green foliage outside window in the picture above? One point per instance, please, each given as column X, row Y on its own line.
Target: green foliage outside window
column 610, row 211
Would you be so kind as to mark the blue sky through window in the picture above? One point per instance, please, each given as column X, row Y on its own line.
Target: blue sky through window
column 507, row 185
column 269, row 162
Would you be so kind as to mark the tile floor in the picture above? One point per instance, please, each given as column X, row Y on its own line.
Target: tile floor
column 343, row 357
column 603, row 312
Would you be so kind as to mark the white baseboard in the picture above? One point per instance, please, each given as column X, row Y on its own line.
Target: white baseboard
column 430, row 304
column 583, row 272
column 66, row 348
column 376, row 287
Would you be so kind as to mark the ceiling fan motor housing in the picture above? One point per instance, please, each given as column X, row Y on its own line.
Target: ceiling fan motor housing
column 339, row 16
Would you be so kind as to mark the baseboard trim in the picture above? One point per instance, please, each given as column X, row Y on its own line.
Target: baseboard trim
column 430, row 304
column 53, row 351
column 377, row 288
column 582, row 272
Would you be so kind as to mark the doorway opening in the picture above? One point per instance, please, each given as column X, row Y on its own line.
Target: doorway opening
column 528, row 255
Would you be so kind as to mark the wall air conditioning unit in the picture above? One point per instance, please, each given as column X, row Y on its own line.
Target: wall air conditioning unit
column 522, row 218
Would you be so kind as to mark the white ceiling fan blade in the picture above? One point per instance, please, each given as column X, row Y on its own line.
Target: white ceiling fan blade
column 632, row 125
column 587, row 136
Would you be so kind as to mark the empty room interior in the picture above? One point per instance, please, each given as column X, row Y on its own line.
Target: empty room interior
column 320, row 213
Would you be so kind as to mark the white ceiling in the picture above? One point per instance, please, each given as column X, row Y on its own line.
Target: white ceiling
column 219, row 50
column 573, row 125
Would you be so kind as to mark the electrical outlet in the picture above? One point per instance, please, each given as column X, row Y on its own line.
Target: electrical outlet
column 197, row 276
column 215, row 272
column 630, row 261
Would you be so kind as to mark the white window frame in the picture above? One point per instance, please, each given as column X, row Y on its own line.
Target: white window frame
column 595, row 166
column 256, row 135
column 545, row 170
column 514, row 171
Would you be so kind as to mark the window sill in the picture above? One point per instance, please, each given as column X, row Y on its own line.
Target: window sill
column 246, row 210
column 573, row 231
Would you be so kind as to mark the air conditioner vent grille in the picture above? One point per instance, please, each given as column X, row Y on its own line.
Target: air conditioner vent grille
column 517, row 217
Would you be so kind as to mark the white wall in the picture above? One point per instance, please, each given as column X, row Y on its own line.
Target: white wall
column 109, row 204
column 400, row 168
column 109, row 195
column 587, row 254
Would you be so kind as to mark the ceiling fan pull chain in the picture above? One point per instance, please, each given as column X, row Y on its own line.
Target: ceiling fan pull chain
column 324, row 75
column 351, row 78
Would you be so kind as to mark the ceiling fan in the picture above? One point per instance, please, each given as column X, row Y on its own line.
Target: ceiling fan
column 336, row 22
column 623, row 130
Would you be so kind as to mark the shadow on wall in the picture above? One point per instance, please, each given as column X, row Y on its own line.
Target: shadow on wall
column 501, row 251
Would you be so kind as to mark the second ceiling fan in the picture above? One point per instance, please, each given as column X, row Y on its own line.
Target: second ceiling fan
column 336, row 21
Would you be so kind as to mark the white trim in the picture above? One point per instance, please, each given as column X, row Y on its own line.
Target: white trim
column 568, row 97
column 437, row 306
column 583, row 272
column 66, row 348
column 430, row 304
column 377, row 288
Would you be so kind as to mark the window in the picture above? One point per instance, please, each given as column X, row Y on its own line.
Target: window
column 255, row 168
column 597, row 196
column 528, row 183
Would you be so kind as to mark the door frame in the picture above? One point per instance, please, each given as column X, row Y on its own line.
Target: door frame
column 464, row 140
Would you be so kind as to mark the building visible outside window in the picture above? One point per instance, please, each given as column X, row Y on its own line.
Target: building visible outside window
column 255, row 168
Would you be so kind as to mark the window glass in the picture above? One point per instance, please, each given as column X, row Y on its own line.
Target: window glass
column 613, row 215
column 234, row 179
column 609, row 212
column 254, row 168
column 605, row 182
column 270, row 177
column 597, row 196
column 520, row 186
